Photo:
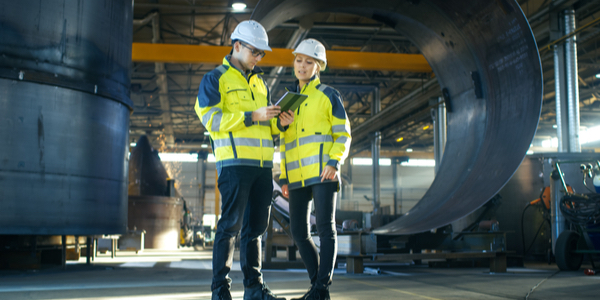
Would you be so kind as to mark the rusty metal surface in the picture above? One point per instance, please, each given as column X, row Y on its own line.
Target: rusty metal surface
column 486, row 63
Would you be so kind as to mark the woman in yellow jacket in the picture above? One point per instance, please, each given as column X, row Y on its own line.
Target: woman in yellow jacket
column 312, row 149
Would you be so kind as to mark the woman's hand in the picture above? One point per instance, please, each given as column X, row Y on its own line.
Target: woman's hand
column 286, row 118
column 328, row 173
column 285, row 191
column 265, row 113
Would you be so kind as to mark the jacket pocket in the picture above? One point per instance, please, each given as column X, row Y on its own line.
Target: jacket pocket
column 235, row 95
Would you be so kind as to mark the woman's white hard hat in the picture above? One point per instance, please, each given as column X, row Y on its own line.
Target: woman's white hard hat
column 314, row 49
column 252, row 33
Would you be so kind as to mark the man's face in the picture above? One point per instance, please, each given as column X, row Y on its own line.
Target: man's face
column 248, row 56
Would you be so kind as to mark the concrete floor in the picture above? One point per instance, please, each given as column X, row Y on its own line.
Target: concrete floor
column 186, row 274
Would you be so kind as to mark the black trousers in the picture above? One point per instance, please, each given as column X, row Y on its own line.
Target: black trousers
column 319, row 265
column 246, row 205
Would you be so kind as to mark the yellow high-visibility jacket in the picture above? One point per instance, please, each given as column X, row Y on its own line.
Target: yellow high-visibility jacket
column 226, row 99
column 319, row 136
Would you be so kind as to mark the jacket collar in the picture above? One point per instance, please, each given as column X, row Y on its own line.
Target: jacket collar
column 314, row 81
column 255, row 70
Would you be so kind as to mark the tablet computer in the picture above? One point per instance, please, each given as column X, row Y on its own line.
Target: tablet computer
column 290, row 101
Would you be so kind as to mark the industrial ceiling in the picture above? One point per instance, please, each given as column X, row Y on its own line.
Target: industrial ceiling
column 164, row 93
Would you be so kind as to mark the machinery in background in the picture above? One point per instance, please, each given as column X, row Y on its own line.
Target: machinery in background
column 582, row 212
column 191, row 233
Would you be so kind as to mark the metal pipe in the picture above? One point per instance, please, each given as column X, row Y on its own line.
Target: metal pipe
column 560, row 96
column 572, row 82
column 375, row 151
column 395, row 163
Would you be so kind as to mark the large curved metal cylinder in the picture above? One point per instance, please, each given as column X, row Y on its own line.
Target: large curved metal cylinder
column 485, row 57
column 64, row 116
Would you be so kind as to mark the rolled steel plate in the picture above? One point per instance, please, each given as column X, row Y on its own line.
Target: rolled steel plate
column 63, row 161
column 486, row 60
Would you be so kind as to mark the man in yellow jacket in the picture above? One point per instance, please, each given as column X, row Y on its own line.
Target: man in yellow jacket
column 234, row 106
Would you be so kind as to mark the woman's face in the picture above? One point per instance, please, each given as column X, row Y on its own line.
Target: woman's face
column 305, row 67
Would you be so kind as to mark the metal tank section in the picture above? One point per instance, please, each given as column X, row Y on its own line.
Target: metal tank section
column 487, row 65
column 153, row 204
column 64, row 116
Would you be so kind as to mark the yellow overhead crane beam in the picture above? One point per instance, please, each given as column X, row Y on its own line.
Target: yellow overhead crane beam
column 348, row 60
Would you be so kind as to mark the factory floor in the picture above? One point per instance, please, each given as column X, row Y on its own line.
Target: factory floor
column 186, row 274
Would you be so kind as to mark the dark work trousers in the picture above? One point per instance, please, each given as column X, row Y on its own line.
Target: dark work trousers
column 320, row 268
column 246, row 205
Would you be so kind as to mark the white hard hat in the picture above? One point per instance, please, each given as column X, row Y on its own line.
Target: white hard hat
column 314, row 49
column 252, row 33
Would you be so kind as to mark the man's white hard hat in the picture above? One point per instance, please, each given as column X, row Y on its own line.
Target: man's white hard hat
column 252, row 33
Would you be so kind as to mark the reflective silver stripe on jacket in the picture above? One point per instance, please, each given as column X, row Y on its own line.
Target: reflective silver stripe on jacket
column 339, row 128
column 282, row 155
column 216, row 121
column 268, row 143
column 291, row 145
column 315, row 139
column 342, row 139
column 314, row 159
column 238, row 142
column 221, row 69
column 264, row 123
column 322, row 87
column 292, row 165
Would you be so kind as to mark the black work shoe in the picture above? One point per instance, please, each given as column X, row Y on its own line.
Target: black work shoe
column 221, row 293
column 260, row 291
column 307, row 295
column 315, row 294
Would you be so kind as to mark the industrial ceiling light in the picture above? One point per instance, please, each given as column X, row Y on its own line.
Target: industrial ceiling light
column 400, row 139
column 238, row 5
column 426, row 127
column 598, row 75
column 409, row 150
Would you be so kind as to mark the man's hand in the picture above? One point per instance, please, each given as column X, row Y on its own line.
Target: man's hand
column 328, row 173
column 286, row 118
column 285, row 191
column 265, row 113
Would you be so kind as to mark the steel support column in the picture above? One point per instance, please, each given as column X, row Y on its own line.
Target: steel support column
column 161, row 82
column 566, row 82
column 375, row 149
